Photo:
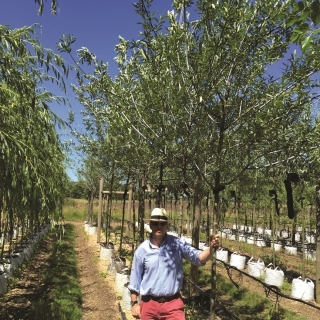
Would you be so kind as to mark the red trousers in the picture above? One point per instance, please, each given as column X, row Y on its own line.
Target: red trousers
column 171, row 310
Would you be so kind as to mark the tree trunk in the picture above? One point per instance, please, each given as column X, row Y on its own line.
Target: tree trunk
column 141, row 206
column 318, row 244
column 129, row 217
column 196, row 225
column 216, row 204
column 100, row 209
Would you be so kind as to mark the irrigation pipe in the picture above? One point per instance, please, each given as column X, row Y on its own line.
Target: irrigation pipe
column 267, row 287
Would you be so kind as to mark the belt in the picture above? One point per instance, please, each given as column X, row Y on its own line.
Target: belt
column 160, row 299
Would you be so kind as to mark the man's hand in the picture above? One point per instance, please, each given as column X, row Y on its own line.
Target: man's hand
column 135, row 311
column 215, row 241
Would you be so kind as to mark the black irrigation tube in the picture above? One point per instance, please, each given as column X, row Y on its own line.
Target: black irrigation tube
column 267, row 287
column 232, row 316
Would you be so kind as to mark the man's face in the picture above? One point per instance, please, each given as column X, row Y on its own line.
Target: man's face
column 158, row 227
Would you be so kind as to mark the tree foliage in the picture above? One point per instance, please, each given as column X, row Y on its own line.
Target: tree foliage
column 32, row 159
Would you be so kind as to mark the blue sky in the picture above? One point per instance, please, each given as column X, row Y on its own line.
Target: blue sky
column 96, row 24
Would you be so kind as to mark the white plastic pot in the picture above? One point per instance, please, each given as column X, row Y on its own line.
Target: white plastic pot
column 3, row 284
column 121, row 279
column 232, row 237
column 201, row 244
column 238, row 261
column 268, row 232
column 126, row 298
column 250, row 240
column 260, row 230
column 291, row 250
column 277, row 246
column 274, row 276
column 222, row 254
column 92, row 230
column 310, row 255
column 223, row 234
column 260, row 242
column 303, row 290
column 256, row 268
column 106, row 252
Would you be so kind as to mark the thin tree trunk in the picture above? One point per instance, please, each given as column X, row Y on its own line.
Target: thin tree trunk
column 141, row 206
column 213, row 254
column 318, row 244
column 129, row 217
column 100, row 209
column 196, row 224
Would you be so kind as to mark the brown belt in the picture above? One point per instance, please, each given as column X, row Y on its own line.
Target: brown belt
column 161, row 299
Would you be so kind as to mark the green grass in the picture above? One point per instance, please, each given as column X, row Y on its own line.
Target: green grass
column 246, row 304
column 63, row 297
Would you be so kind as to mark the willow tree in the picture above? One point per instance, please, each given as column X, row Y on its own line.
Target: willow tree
column 32, row 167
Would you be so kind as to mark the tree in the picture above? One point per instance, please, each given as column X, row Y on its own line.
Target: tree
column 32, row 159
column 199, row 96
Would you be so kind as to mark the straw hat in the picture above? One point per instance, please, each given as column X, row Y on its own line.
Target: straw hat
column 159, row 214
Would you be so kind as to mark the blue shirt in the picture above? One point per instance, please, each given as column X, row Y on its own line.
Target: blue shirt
column 158, row 271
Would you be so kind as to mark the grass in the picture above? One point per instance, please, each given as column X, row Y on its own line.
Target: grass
column 63, row 297
column 245, row 304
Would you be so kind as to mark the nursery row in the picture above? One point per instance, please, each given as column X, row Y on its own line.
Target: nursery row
column 12, row 260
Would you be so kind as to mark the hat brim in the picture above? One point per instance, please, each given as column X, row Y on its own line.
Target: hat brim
column 158, row 218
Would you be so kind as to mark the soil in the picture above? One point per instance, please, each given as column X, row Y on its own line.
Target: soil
column 100, row 300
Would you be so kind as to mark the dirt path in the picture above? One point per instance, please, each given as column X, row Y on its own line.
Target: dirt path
column 100, row 301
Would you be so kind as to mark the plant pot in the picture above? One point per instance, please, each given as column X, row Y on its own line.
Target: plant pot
column 121, row 279
column 260, row 242
column 238, row 261
column 303, row 290
column 268, row 232
column 274, row 276
column 126, row 298
column 250, row 240
column 310, row 255
column 277, row 246
column 222, row 254
column 106, row 252
column 291, row 250
column 3, row 283
column 92, row 230
column 256, row 268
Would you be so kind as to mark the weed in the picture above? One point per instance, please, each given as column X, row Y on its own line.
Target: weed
column 95, row 259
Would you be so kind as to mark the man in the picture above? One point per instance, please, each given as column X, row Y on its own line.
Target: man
column 156, row 272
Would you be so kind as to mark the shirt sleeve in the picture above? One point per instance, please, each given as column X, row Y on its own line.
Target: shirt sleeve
column 190, row 253
column 136, row 274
